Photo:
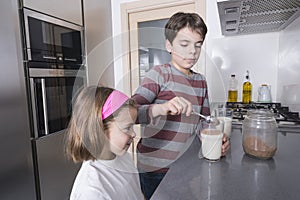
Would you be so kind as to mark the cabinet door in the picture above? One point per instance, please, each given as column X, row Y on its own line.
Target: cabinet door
column 69, row 10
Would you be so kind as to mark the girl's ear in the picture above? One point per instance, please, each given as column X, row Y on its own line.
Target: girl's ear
column 106, row 135
column 169, row 46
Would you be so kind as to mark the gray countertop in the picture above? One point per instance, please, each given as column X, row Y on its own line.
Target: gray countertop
column 236, row 176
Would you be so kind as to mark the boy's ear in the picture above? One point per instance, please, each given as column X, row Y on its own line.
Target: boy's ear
column 168, row 46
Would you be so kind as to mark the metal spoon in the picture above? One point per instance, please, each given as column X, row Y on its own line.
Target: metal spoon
column 207, row 118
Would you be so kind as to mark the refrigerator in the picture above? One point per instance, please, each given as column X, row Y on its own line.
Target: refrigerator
column 31, row 168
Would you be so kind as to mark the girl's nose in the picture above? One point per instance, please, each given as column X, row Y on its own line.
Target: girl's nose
column 132, row 134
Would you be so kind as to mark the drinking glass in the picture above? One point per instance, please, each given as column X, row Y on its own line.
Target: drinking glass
column 211, row 135
column 225, row 115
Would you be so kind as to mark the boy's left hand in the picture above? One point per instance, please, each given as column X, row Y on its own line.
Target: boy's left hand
column 225, row 145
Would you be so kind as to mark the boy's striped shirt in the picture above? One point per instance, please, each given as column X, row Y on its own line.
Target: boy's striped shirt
column 165, row 138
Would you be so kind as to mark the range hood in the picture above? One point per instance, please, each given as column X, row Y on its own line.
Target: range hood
column 240, row 17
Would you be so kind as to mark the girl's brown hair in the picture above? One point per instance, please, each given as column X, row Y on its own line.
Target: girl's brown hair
column 181, row 20
column 85, row 136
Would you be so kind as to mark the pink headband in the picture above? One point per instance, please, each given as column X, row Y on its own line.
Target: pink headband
column 113, row 102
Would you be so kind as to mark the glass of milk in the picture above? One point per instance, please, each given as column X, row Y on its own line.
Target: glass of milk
column 211, row 135
column 225, row 115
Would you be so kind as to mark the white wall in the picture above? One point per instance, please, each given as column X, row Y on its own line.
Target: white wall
column 117, row 38
column 289, row 66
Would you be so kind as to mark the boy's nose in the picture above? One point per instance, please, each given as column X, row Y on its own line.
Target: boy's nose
column 192, row 49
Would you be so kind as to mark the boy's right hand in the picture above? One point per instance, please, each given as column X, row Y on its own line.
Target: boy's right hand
column 175, row 106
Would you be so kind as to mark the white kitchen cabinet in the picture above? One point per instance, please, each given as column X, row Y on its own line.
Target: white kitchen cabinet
column 69, row 10
column 99, row 42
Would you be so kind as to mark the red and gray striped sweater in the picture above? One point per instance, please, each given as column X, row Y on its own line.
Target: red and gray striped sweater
column 165, row 138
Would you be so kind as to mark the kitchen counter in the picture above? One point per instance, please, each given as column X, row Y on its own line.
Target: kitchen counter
column 236, row 176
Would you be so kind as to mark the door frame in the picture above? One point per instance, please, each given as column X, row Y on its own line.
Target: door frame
column 139, row 6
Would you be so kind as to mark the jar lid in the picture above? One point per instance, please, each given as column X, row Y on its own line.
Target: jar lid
column 260, row 113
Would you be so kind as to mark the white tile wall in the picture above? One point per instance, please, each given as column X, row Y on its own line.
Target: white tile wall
column 256, row 53
column 288, row 86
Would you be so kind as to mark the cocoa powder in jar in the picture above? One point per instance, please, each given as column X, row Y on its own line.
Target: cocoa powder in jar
column 258, row 148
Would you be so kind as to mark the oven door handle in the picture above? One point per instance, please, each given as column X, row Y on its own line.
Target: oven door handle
column 34, row 107
column 45, row 110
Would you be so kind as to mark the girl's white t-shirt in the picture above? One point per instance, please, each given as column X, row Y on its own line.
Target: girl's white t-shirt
column 107, row 179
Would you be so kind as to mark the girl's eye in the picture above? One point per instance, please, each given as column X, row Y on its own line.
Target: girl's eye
column 129, row 128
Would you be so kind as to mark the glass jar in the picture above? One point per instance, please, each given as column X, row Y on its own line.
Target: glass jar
column 260, row 134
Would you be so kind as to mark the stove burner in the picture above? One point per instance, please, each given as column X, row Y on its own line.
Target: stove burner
column 282, row 113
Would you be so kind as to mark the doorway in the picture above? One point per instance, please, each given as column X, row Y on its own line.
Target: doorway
column 144, row 45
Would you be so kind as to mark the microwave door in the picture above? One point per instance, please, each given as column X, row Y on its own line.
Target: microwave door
column 41, row 38
column 68, row 44
column 47, row 40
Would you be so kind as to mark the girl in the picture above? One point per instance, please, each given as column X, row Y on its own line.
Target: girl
column 99, row 135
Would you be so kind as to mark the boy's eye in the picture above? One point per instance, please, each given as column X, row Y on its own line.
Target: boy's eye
column 198, row 45
column 184, row 44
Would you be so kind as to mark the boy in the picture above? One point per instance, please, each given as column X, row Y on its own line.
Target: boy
column 166, row 98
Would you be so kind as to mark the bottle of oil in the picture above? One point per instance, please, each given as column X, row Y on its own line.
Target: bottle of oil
column 247, row 89
column 232, row 89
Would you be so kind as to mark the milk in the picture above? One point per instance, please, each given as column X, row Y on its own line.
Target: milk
column 227, row 125
column 211, row 144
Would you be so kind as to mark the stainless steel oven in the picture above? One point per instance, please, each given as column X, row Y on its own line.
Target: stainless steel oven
column 53, row 61
column 52, row 91
column 52, row 40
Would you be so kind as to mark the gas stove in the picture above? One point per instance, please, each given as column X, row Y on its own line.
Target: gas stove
column 286, row 119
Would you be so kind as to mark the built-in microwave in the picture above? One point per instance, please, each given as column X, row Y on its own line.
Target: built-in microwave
column 52, row 40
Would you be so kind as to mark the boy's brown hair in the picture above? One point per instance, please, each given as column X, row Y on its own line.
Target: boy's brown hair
column 181, row 20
